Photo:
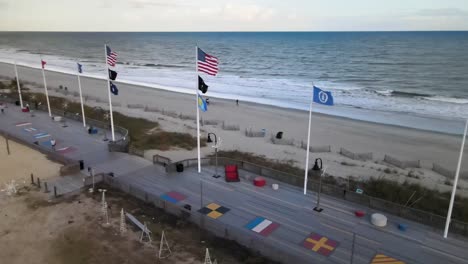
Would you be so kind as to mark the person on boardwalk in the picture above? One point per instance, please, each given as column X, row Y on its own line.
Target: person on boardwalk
column 53, row 143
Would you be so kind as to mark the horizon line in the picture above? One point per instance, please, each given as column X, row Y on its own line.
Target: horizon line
column 249, row 31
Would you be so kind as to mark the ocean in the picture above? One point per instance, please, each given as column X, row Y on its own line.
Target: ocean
column 415, row 73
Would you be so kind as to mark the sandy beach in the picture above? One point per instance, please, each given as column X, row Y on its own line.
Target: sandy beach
column 356, row 136
column 23, row 161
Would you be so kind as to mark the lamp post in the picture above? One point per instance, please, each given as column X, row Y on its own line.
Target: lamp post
column 216, row 151
column 318, row 168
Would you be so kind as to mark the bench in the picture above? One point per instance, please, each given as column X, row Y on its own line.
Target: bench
column 137, row 223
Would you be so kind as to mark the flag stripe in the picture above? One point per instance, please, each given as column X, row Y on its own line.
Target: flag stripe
column 255, row 222
column 261, row 226
column 269, row 229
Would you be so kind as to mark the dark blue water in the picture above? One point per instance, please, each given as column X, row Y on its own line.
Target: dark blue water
column 415, row 72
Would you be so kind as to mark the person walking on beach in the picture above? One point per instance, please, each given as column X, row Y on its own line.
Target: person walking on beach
column 2, row 108
column 237, row 102
column 53, row 143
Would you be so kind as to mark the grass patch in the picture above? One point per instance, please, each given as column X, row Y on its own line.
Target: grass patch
column 164, row 140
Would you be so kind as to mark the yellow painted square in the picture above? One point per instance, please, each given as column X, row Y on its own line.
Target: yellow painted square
column 215, row 215
column 213, row 206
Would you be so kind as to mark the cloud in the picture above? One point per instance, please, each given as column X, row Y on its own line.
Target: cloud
column 155, row 3
column 247, row 13
column 4, row 4
column 443, row 12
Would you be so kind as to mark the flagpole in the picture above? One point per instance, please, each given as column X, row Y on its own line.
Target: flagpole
column 81, row 98
column 109, row 93
column 19, row 88
column 45, row 88
column 455, row 183
column 198, row 110
column 308, row 144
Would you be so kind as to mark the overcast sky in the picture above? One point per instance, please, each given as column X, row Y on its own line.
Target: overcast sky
column 230, row 15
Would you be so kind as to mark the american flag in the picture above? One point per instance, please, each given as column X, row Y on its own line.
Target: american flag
column 207, row 63
column 111, row 57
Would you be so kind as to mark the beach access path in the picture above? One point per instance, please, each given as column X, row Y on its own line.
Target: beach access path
column 248, row 210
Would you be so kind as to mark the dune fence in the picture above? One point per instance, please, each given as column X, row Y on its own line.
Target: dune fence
column 403, row 164
column 356, row 156
column 255, row 133
column 316, row 149
column 204, row 122
column 152, row 109
column 230, row 127
column 187, row 117
column 449, row 174
column 135, row 106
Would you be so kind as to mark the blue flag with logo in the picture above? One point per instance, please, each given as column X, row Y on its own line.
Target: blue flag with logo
column 322, row 97
column 202, row 103
column 80, row 69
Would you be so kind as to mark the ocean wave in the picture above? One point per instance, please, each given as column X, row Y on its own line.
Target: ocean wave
column 384, row 92
column 447, row 99
column 409, row 94
column 161, row 65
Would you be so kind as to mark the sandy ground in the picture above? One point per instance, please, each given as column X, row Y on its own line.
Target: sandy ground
column 356, row 136
column 23, row 161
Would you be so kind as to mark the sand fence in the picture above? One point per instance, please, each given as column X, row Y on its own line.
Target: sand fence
column 356, row 156
column 449, row 174
column 255, row 133
column 316, row 149
column 403, row 164
column 230, row 127
column 152, row 109
column 135, row 106
column 209, row 122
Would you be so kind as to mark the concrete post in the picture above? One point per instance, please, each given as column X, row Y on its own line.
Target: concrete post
column 46, row 188
column 38, row 183
column 55, row 191
column 32, row 179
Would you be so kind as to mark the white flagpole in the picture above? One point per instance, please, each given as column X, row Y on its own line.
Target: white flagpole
column 198, row 110
column 308, row 144
column 455, row 183
column 19, row 88
column 81, row 98
column 45, row 88
column 109, row 93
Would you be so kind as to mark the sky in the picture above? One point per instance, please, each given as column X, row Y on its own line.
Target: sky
column 230, row 15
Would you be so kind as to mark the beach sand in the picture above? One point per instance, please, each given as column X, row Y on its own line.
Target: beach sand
column 23, row 161
column 356, row 136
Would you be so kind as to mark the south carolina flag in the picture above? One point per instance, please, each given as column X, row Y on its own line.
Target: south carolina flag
column 262, row 226
column 202, row 103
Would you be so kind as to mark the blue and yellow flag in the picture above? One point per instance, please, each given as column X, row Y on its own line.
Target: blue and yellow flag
column 202, row 103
